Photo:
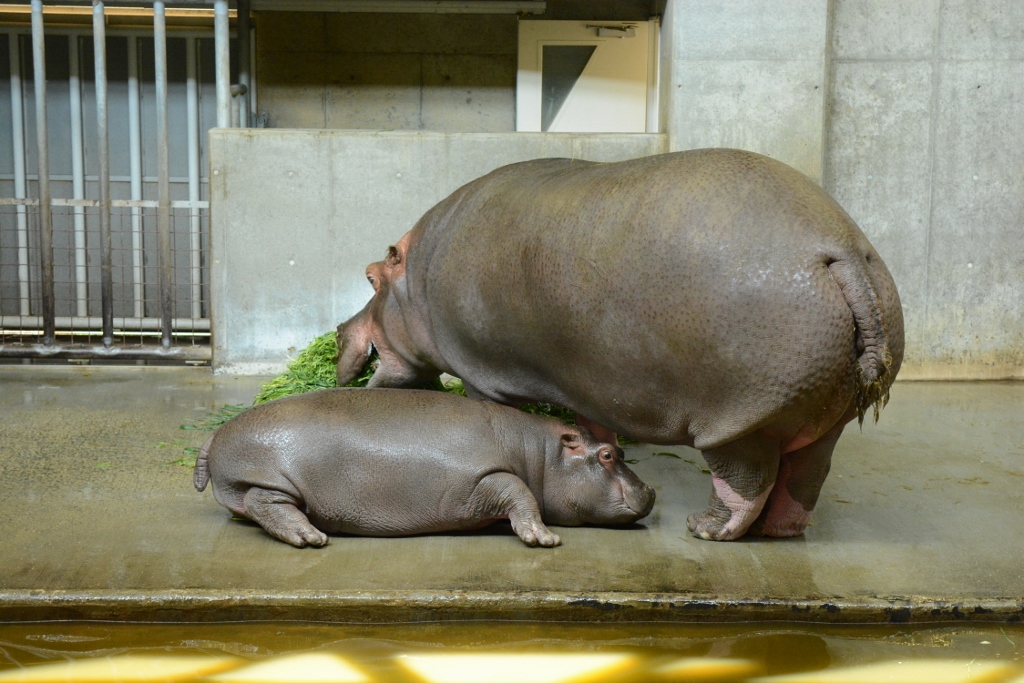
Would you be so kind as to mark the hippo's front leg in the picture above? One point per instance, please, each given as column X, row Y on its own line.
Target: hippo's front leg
column 277, row 512
column 502, row 495
column 742, row 474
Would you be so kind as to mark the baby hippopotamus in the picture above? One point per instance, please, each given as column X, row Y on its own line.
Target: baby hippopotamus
column 396, row 462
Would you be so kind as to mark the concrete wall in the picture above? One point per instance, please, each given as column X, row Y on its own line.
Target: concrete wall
column 926, row 152
column 387, row 71
column 748, row 74
column 298, row 215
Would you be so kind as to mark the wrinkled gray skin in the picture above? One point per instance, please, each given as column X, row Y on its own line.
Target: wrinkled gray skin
column 713, row 298
column 380, row 462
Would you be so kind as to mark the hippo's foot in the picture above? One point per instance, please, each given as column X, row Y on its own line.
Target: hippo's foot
column 743, row 473
column 503, row 494
column 801, row 476
column 534, row 534
column 276, row 512
column 728, row 519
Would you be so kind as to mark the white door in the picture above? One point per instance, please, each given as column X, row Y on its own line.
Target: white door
column 587, row 77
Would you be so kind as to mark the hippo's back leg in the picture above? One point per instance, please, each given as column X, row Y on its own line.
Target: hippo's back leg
column 743, row 473
column 276, row 512
column 801, row 476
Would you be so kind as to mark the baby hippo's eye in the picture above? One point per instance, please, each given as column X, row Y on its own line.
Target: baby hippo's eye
column 606, row 456
column 371, row 279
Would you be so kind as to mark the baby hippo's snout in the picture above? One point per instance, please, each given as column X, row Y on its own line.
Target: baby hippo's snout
column 639, row 499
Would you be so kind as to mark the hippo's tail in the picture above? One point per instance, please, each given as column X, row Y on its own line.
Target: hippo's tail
column 875, row 361
column 201, row 475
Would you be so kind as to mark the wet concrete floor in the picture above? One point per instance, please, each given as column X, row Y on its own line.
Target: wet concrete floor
column 921, row 519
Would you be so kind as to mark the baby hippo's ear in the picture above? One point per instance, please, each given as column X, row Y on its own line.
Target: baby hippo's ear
column 572, row 444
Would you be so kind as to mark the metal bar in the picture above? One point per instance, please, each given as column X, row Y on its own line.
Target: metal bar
column 135, row 155
column 78, row 174
column 195, row 240
column 244, row 35
column 180, row 353
column 399, row 6
column 222, row 42
column 163, row 219
column 99, row 37
column 20, row 190
column 11, row 324
column 45, row 217
column 120, row 203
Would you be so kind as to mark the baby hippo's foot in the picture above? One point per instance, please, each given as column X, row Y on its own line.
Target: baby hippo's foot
column 276, row 512
column 302, row 535
column 534, row 533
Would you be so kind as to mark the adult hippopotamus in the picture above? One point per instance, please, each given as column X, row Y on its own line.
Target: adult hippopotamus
column 714, row 298
column 381, row 462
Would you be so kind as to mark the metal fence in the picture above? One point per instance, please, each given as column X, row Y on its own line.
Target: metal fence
column 104, row 213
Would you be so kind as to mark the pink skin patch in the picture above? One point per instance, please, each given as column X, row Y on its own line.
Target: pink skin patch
column 744, row 511
column 786, row 517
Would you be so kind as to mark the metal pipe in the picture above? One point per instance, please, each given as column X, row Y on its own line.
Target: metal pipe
column 222, row 45
column 45, row 217
column 15, row 324
column 20, row 190
column 195, row 223
column 135, row 155
column 163, row 215
column 413, row 6
column 180, row 353
column 78, row 174
column 244, row 33
column 99, row 37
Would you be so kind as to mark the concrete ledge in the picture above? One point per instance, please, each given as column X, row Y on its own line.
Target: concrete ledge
column 965, row 372
column 420, row 606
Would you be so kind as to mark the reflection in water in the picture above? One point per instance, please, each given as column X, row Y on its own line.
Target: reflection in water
column 781, row 653
column 462, row 652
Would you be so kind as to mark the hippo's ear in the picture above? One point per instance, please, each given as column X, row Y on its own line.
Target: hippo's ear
column 572, row 444
column 393, row 257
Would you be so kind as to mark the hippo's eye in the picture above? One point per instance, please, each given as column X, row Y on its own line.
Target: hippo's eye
column 371, row 279
column 606, row 457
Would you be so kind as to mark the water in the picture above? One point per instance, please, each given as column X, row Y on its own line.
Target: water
column 464, row 652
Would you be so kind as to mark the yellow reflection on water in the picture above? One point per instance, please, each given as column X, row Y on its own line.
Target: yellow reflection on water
column 307, row 667
column 708, row 669
column 931, row 671
column 514, row 668
column 124, row 669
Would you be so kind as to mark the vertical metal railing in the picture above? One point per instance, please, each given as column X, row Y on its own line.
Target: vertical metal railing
column 20, row 184
column 45, row 216
column 37, row 301
column 163, row 220
column 99, row 38
column 222, row 41
column 78, row 176
column 192, row 104
column 244, row 58
column 135, row 174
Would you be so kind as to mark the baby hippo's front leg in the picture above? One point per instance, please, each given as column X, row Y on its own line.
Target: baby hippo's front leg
column 502, row 495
